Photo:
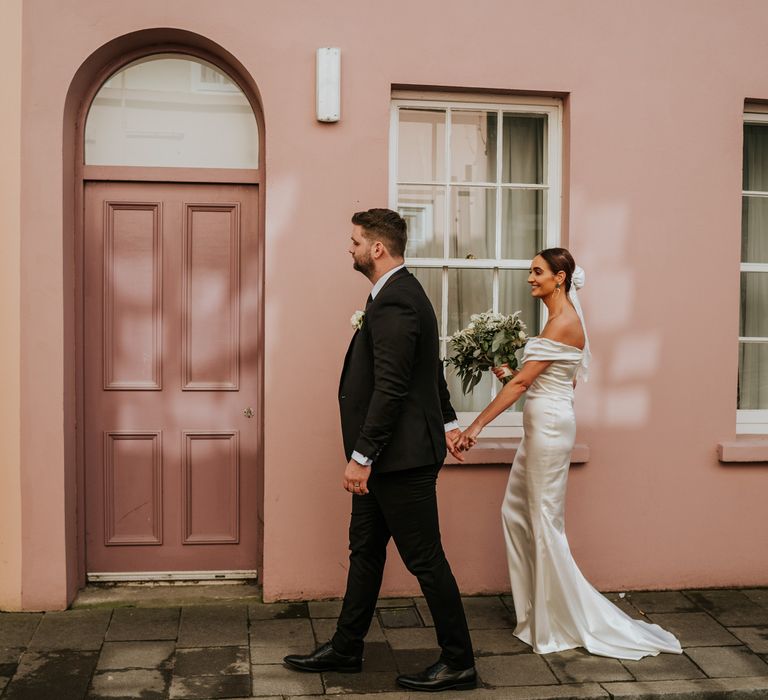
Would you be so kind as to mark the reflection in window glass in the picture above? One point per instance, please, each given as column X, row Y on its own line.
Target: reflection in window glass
column 171, row 111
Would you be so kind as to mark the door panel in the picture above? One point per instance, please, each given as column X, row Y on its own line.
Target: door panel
column 170, row 366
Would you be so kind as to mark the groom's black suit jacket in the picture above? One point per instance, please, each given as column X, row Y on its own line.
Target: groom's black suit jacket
column 393, row 397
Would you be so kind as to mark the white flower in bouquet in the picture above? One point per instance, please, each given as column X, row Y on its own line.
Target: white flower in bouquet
column 357, row 320
column 490, row 340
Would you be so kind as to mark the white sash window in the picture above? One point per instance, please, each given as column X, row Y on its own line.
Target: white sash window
column 479, row 184
column 752, row 415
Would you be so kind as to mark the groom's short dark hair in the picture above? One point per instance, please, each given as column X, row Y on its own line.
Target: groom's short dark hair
column 386, row 226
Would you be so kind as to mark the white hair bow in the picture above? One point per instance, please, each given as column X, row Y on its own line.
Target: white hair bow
column 577, row 282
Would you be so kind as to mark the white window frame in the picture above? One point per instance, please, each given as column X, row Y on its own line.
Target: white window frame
column 510, row 423
column 753, row 421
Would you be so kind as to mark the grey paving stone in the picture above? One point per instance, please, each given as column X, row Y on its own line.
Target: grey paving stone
column 728, row 662
column 497, row 642
column 81, row 630
column 399, row 617
column 143, row 624
column 756, row 638
column 277, row 680
column 324, row 608
column 135, row 683
column 581, row 691
column 366, row 682
column 125, row 655
column 415, row 660
column 63, row 675
column 16, row 629
column 661, row 602
column 424, row 613
column 324, row 629
column 730, row 607
column 623, row 602
column 704, row 689
column 213, row 625
column 664, row 667
column 520, row 669
column 394, row 602
column 487, row 613
column 277, row 611
column 10, row 655
column 210, row 686
column 212, row 661
column 281, row 632
column 578, row 666
column 378, row 656
column 271, row 640
column 695, row 629
column 412, row 638
column 757, row 595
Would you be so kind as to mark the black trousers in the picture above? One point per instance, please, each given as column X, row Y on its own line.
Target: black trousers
column 401, row 505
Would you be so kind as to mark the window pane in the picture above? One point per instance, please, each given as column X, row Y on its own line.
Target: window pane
column 523, row 223
column 754, row 229
column 523, row 147
column 755, row 176
column 421, row 146
column 431, row 279
column 473, row 222
column 423, row 209
column 515, row 295
column 171, row 111
column 753, row 376
column 754, row 305
column 473, row 146
column 469, row 292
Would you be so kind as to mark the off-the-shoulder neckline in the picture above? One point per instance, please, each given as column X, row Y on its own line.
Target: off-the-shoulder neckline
column 557, row 342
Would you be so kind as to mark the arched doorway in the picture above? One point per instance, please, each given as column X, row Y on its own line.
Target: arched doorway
column 171, row 280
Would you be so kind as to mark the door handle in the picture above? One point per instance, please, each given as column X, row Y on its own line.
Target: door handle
column 248, row 412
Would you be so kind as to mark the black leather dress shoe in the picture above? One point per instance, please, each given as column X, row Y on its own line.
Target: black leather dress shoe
column 440, row 677
column 325, row 658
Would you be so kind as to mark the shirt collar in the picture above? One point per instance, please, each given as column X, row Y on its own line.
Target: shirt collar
column 383, row 280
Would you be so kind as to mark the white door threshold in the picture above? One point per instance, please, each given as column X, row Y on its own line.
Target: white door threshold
column 170, row 576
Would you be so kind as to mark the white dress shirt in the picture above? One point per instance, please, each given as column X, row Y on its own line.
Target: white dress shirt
column 362, row 459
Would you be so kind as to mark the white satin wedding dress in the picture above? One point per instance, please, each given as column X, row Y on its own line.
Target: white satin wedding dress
column 556, row 606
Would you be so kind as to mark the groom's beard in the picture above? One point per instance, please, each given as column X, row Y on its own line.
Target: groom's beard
column 364, row 265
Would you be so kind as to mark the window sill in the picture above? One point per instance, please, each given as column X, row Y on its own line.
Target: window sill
column 745, row 448
column 503, row 450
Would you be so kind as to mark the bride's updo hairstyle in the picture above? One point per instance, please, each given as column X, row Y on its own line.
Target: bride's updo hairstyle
column 560, row 260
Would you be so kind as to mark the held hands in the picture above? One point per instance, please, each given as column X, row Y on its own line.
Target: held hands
column 451, row 439
column 356, row 478
column 468, row 438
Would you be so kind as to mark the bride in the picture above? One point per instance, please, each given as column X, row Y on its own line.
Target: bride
column 557, row 608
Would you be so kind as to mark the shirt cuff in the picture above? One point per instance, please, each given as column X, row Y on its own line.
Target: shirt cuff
column 362, row 460
column 453, row 425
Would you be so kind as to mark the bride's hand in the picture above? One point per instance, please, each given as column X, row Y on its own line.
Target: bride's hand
column 503, row 371
column 468, row 439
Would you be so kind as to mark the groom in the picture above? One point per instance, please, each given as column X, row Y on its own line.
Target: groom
column 396, row 420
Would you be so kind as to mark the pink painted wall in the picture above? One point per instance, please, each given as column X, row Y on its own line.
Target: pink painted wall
column 10, row 317
column 653, row 176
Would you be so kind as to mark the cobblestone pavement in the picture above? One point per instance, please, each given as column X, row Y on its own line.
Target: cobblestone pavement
column 234, row 649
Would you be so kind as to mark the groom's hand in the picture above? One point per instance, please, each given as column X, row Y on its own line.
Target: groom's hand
column 356, row 478
column 451, row 441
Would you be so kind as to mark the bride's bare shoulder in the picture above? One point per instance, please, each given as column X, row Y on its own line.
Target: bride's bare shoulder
column 566, row 329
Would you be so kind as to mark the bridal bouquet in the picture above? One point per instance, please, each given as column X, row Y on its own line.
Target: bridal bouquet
column 490, row 340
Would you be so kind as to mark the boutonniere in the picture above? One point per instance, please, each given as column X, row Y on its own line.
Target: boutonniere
column 357, row 320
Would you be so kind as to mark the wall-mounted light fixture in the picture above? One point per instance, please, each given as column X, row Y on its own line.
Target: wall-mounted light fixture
column 328, row 89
